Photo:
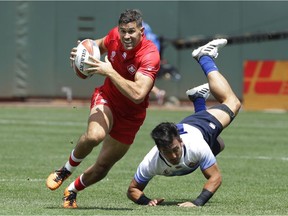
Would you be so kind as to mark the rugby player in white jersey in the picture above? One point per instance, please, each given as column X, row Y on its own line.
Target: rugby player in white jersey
column 194, row 142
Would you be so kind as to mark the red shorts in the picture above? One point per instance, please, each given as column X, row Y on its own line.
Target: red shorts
column 124, row 129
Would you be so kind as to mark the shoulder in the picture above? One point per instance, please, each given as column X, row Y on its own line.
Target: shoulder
column 114, row 32
column 149, row 51
column 148, row 45
column 113, row 35
column 152, row 155
column 148, row 167
column 150, row 161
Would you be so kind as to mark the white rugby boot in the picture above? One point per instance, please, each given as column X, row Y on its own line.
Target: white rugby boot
column 210, row 49
column 199, row 91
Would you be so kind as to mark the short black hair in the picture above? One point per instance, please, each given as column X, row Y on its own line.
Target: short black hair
column 164, row 134
column 131, row 15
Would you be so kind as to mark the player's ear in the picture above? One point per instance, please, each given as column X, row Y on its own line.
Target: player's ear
column 142, row 30
column 180, row 140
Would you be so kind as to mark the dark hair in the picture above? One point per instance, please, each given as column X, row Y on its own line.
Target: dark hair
column 164, row 133
column 131, row 15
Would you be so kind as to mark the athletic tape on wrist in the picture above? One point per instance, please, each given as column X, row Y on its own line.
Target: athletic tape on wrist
column 203, row 198
column 143, row 200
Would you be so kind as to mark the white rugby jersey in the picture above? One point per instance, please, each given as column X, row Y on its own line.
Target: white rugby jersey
column 196, row 153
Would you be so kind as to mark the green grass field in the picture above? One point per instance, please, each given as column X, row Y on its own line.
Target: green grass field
column 35, row 141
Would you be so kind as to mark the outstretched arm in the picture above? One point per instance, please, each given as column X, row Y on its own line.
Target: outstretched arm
column 135, row 193
column 214, row 180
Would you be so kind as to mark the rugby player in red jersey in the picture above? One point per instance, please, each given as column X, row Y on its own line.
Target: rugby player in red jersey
column 118, row 107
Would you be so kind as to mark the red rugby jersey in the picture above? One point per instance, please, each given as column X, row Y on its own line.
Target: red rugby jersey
column 144, row 58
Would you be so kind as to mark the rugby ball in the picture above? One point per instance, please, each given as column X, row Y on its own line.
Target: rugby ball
column 84, row 49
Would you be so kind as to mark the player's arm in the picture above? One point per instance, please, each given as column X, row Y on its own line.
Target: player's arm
column 214, row 180
column 101, row 45
column 136, row 90
column 136, row 194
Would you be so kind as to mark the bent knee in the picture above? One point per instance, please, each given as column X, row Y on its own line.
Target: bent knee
column 221, row 143
column 235, row 105
column 93, row 138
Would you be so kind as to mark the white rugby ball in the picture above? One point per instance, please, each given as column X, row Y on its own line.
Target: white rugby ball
column 84, row 49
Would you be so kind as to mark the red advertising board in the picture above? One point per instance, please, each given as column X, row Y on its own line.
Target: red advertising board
column 265, row 85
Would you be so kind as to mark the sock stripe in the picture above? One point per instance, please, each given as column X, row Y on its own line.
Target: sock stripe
column 207, row 64
column 74, row 158
column 79, row 185
column 73, row 163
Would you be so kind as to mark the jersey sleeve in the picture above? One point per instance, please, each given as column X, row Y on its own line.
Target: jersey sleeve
column 142, row 175
column 207, row 158
column 147, row 168
column 111, row 36
column 150, row 63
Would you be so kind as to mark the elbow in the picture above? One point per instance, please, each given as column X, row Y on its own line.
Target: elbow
column 219, row 181
column 139, row 95
column 215, row 183
column 137, row 99
column 130, row 196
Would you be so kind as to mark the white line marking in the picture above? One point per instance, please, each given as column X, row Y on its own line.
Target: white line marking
column 256, row 158
column 52, row 123
column 20, row 180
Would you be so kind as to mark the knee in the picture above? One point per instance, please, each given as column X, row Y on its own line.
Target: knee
column 221, row 143
column 237, row 105
column 93, row 138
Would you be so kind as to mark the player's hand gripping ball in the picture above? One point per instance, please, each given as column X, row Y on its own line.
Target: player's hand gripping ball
column 84, row 49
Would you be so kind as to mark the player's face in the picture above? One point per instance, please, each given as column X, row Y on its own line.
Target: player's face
column 130, row 35
column 173, row 153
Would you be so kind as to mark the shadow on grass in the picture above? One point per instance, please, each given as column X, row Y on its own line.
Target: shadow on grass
column 93, row 208
column 175, row 203
column 170, row 203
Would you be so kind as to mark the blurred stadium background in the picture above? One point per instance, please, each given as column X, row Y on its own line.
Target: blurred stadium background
column 37, row 37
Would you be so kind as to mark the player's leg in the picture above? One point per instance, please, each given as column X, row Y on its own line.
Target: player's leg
column 219, row 86
column 98, row 126
column 222, row 91
column 111, row 152
column 221, row 145
column 198, row 95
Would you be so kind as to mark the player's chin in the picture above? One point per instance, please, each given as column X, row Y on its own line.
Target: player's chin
column 129, row 46
column 174, row 162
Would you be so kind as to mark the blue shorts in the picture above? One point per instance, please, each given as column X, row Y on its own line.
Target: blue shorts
column 208, row 125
